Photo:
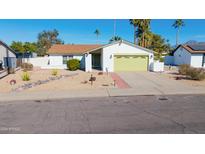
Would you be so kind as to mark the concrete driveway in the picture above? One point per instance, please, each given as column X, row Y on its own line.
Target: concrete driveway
column 155, row 83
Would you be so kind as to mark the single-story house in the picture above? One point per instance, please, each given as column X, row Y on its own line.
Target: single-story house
column 117, row 56
column 193, row 55
column 7, row 56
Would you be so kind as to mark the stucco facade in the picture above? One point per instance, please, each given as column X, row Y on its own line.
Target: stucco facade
column 121, row 48
column 108, row 52
column 102, row 57
column 56, row 61
column 5, row 52
column 182, row 56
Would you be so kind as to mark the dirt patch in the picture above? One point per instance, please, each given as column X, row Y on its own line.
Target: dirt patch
column 174, row 75
column 73, row 82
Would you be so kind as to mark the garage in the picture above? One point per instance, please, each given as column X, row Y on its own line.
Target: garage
column 130, row 63
column 119, row 56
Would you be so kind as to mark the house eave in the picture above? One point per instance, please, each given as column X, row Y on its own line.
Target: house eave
column 118, row 42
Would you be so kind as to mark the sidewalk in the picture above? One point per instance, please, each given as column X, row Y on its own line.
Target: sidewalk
column 112, row 92
column 45, row 95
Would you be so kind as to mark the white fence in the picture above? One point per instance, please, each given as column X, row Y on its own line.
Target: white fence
column 45, row 62
column 38, row 61
column 157, row 66
column 169, row 60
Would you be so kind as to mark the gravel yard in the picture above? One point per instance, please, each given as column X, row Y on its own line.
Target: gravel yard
column 173, row 74
column 77, row 80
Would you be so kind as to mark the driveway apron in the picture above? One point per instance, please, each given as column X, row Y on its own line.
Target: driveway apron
column 149, row 81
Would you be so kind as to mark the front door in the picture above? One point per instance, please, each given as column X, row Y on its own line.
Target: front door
column 96, row 61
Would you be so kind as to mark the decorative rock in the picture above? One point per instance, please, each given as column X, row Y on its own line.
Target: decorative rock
column 39, row 82
column 100, row 73
column 12, row 82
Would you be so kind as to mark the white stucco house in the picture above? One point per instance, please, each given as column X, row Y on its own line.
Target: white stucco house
column 117, row 56
column 193, row 55
column 7, row 55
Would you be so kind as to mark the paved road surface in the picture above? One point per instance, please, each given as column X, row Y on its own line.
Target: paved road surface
column 134, row 114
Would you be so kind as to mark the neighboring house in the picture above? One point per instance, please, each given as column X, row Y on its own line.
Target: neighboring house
column 192, row 54
column 7, row 56
column 117, row 56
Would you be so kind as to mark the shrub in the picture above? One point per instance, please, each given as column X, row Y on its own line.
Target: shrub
column 54, row 72
column 27, row 66
column 73, row 64
column 196, row 74
column 161, row 59
column 25, row 76
column 184, row 69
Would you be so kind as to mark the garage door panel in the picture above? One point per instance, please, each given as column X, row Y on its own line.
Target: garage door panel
column 130, row 63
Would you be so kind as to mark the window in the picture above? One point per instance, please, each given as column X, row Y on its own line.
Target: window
column 70, row 57
column 64, row 59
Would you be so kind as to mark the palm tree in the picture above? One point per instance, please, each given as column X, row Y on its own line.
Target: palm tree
column 97, row 33
column 115, row 38
column 135, row 24
column 177, row 25
column 145, row 27
column 142, row 26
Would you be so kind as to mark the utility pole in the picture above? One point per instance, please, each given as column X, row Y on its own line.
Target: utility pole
column 114, row 34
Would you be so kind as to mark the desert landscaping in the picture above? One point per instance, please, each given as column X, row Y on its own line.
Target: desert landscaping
column 174, row 74
column 42, row 80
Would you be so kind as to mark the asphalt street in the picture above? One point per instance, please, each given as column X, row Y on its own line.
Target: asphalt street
column 106, row 115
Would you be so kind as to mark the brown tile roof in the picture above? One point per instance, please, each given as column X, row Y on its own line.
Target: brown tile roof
column 189, row 49
column 72, row 49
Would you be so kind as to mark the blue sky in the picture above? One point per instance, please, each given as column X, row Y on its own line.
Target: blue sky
column 82, row 31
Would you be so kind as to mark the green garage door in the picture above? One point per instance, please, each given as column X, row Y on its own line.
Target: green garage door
column 130, row 63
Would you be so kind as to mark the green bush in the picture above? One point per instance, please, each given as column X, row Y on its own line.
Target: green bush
column 25, row 76
column 161, row 59
column 73, row 64
column 54, row 72
column 27, row 66
column 184, row 69
column 196, row 74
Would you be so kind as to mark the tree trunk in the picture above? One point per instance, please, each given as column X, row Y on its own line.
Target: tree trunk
column 143, row 43
column 135, row 35
column 177, row 37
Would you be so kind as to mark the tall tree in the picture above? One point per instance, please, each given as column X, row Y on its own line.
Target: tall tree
column 159, row 45
column 97, row 33
column 30, row 47
column 46, row 39
column 115, row 38
column 141, row 27
column 177, row 25
column 143, row 30
column 135, row 23
column 18, row 46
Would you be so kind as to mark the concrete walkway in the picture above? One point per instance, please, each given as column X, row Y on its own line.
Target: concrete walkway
column 140, row 83
column 120, row 83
